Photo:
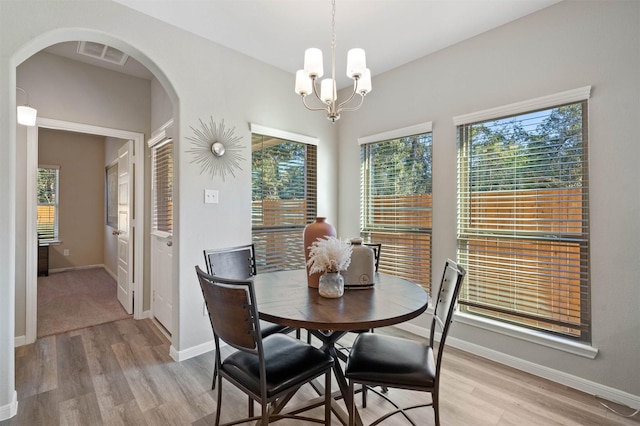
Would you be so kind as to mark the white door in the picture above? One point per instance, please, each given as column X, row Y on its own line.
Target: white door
column 161, row 274
column 162, row 230
column 125, row 246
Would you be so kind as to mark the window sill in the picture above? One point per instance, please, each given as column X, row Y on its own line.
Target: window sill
column 555, row 342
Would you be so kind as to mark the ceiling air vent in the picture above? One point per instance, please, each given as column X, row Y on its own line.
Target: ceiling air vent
column 102, row 52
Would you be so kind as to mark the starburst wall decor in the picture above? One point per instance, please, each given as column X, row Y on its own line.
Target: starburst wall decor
column 216, row 149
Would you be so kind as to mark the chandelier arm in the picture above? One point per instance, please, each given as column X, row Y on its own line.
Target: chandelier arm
column 355, row 107
column 355, row 88
column 304, row 102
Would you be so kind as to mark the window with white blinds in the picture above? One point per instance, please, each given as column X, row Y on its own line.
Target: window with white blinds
column 523, row 228
column 396, row 208
column 47, row 217
column 162, row 187
column 283, row 200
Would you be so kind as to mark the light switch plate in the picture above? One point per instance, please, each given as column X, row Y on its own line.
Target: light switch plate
column 211, row 196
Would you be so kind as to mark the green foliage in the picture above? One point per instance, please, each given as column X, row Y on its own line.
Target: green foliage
column 47, row 185
column 401, row 166
column 537, row 150
column 279, row 172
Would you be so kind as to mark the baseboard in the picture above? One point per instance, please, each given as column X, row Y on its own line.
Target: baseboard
column 19, row 341
column 574, row 382
column 192, row 351
column 77, row 268
column 110, row 272
column 11, row 409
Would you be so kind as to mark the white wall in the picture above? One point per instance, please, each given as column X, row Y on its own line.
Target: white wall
column 566, row 46
column 203, row 80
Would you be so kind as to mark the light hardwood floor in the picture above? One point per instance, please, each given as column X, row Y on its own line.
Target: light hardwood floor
column 120, row 373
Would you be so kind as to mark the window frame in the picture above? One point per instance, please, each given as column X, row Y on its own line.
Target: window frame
column 286, row 237
column 160, row 138
column 414, row 232
column 582, row 344
column 56, row 204
column 162, row 225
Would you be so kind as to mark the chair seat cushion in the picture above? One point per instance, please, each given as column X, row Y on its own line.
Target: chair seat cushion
column 288, row 362
column 269, row 328
column 393, row 361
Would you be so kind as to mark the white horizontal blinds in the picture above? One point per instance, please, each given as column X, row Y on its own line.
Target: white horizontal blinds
column 162, row 159
column 523, row 229
column 47, row 217
column 397, row 204
column 283, row 200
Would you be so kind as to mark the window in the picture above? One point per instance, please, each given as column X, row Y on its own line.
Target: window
column 396, row 201
column 523, row 232
column 162, row 187
column 48, row 184
column 283, row 199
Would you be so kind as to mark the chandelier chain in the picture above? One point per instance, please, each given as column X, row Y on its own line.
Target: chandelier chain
column 333, row 23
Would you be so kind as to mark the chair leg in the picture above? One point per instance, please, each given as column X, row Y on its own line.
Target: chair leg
column 328, row 398
column 364, row 396
column 219, row 404
column 351, row 409
column 250, row 406
column 264, row 418
column 215, row 376
column 436, row 408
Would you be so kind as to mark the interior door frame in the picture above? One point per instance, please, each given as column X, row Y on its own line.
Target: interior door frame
column 31, row 291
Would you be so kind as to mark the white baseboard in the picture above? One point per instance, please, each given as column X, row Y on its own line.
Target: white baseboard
column 191, row 352
column 19, row 341
column 575, row 382
column 77, row 268
column 110, row 272
column 11, row 409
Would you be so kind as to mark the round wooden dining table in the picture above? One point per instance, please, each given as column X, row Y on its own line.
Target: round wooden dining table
column 284, row 297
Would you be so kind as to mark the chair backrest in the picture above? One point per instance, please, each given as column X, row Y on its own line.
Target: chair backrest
column 237, row 263
column 446, row 304
column 232, row 311
column 376, row 252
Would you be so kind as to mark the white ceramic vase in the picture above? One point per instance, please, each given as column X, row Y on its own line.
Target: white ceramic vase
column 331, row 285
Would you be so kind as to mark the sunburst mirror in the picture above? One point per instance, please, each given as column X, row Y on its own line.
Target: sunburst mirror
column 216, row 149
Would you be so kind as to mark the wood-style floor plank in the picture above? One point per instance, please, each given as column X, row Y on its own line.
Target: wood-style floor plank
column 120, row 373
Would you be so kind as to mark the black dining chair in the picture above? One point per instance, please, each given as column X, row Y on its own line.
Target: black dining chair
column 394, row 362
column 344, row 350
column 377, row 248
column 270, row 369
column 238, row 263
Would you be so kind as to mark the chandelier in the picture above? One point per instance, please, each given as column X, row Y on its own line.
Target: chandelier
column 356, row 70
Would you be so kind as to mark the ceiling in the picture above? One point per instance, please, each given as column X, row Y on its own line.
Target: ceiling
column 392, row 32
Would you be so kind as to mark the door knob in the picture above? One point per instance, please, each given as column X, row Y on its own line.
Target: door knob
column 169, row 243
column 116, row 232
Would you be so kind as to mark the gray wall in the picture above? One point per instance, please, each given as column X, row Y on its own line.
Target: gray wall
column 218, row 83
column 566, row 46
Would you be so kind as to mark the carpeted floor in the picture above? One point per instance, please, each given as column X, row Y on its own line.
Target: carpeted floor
column 77, row 299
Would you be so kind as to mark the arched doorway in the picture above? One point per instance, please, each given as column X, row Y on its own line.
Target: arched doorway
column 29, row 264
